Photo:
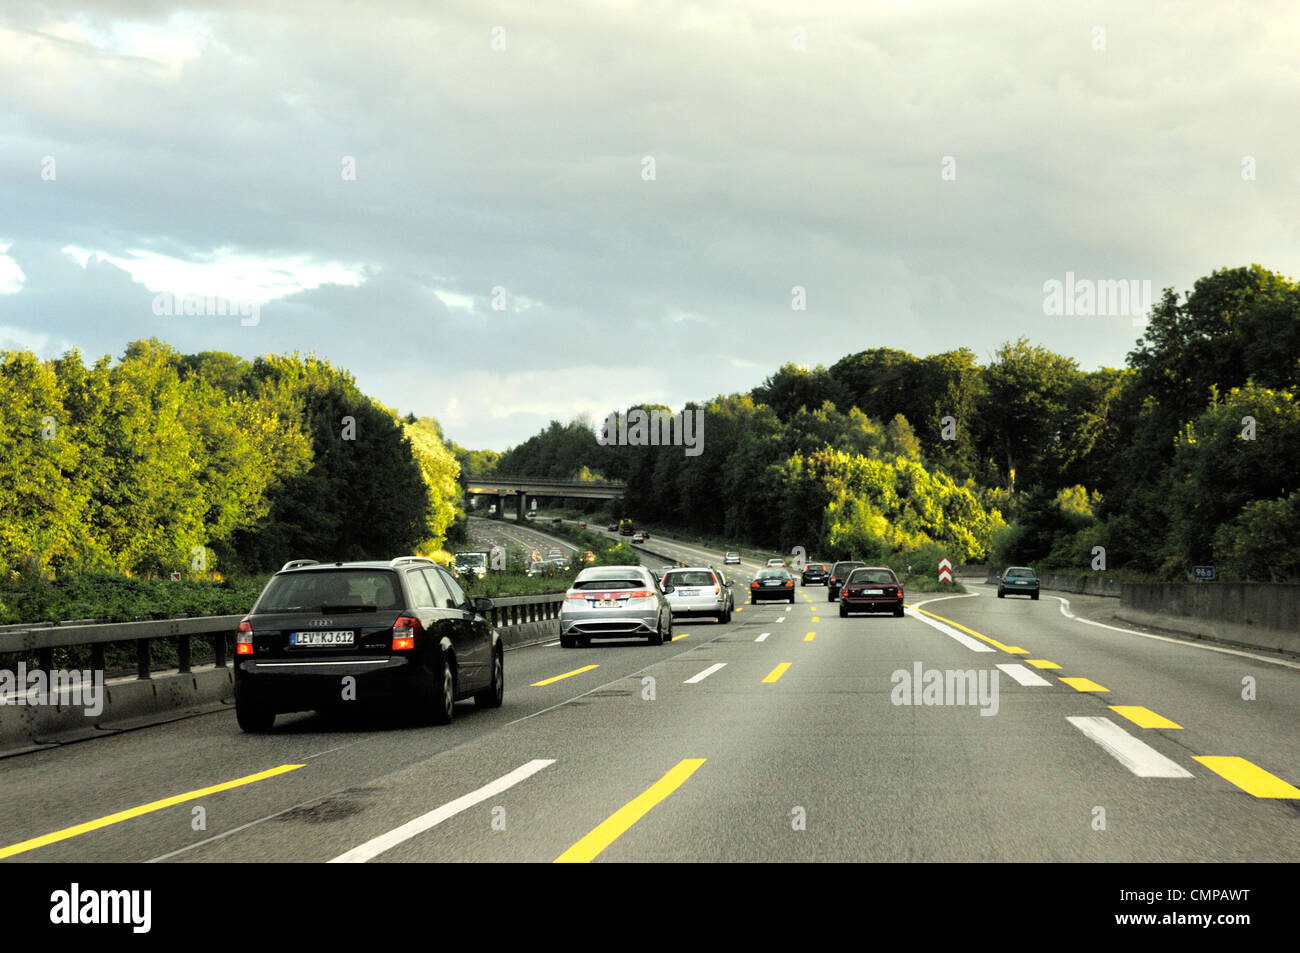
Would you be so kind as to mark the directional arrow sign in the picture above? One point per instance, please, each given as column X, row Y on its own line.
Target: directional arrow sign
column 945, row 570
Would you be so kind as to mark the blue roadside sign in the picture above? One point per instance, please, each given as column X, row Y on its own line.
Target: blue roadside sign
column 1203, row 572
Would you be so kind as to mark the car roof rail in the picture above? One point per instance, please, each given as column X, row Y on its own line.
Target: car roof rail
column 402, row 560
column 295, row 563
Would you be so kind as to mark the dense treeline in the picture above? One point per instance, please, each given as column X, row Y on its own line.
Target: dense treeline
column 167, row 462
column 1188, row 455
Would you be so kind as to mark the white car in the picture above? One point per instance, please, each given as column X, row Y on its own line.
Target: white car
column 776, row 564
column 731, row 559
column 699, row 590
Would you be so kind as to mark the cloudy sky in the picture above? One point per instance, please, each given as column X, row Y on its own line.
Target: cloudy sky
column 503, row 213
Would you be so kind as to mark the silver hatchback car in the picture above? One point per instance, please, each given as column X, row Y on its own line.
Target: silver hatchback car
column 700, row 590
column 615, row 602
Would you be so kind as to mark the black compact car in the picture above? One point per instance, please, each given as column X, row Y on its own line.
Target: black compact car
column 322, row 635
column 814, row 574
column 839, row 572
column 772, row 584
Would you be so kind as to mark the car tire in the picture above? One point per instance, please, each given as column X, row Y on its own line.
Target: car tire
column 495, row 693
column 1001, row 594
column 830, row 596
column 898, row 613
column 568, row 642
column 844, row 613
column 254, row 719
column 442, row 701
column 668, row 636
column 792, row 598
column 584, row 643
column 1034, row 596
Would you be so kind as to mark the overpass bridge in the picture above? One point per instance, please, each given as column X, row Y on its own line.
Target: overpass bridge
column 519, row 488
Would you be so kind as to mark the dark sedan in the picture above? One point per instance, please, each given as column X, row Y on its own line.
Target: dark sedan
column 772, row 584
column 815, row 574
column 872, row 589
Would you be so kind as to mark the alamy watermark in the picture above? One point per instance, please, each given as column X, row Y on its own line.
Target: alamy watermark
column 655, row 428
column 949, row 687
column 170, row 305
column 59, row 688
column 1108, row 297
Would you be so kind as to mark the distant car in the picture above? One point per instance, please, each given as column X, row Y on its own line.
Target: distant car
column 557, row 520
column 776, row 564
column 471, row 565
column 839, row 572
column 540, row 567
column 589, row 557
column 1018, row 579
column 638, row 537
column 403, row 629
column 612, row 527
column 871, row 589
column 814, row 573
column 615, row 602
column 773, row 583
column 731, row 559
column 530, row 515
column 699, row 590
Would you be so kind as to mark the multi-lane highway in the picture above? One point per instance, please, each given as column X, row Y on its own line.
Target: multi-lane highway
column 787, row 734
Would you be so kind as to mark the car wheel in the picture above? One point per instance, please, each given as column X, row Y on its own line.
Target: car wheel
column 657, row 638
column 1001, row 594
column 844, row 613
column 792, row 598
column 568, row 642
column 668, row 636
column 1034, row 596
column 830, row 596
column 725, row 617
column 898, row 613
column 254, row 719
column 443, row 703
column 584, row 643
column 495, row 693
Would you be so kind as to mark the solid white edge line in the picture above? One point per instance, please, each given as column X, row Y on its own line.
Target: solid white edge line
column 1065, row 611
column 973, row 644
column 763, row 637
column 1023, row 675
column 1138, row 756
column 377, row 845
column 696, row 679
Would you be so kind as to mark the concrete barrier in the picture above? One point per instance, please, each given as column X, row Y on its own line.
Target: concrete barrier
column 1255, row 614
column 1092, row 584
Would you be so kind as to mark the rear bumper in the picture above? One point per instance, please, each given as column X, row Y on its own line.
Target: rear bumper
column 870, row 603
column 286, row 685
column 783, row 593
column 608, row 625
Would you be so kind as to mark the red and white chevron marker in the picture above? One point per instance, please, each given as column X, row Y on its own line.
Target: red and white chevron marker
column 945, row 570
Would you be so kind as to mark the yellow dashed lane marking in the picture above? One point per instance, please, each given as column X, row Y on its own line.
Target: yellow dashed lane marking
column 1041, row 663
column 149, row 808
column 1084, row 685
column 1012, row 649
column 1249, row 777
column 810, row 636
column 617, row 823
column 1144, row 717
column 556, row 678
column 776, row 673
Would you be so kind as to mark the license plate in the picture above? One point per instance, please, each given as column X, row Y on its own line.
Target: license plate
column 875, row 592
column 685, row 593
column 604, row 603
column 337, row 637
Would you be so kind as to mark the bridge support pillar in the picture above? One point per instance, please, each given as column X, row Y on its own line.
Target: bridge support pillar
column 501, row 507
column 521, row 506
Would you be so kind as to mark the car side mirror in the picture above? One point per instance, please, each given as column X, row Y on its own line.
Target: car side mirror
column 729, row 583
column 482, row 605
column 668, row 589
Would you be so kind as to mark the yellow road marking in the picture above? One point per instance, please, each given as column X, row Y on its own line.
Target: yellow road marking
column 1041, row 663
column 149, row 808
column 576, row 671
column 777, row 672
column 1143, row 717
column 815, row 619
column 1249, row 777
column 617, row 823
column 809, row 637
column 1012, row 649
column 1084, row 685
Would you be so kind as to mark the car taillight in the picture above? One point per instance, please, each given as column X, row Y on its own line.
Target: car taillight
column 789, row 582
column 717, row 590
column 575, row 595
column 753, row 585
column 244, row 639
column 639, row 594
column 405, row 630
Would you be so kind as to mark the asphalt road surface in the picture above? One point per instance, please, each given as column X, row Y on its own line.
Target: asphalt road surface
column 788, row 734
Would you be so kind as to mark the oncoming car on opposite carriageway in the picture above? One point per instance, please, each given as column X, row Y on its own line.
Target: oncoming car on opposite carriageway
column 322, row 636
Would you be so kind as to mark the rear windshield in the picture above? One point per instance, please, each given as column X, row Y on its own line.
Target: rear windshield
column 694, row 577
column 779, row 574
column 610, row 584
column 333, row 590
column 872, row 575
column 1021, row 573
column 842, row 568
column 470, row 559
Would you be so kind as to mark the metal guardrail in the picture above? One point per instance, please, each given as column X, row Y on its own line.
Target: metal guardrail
column 44, row 638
